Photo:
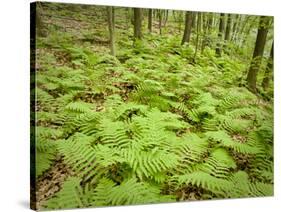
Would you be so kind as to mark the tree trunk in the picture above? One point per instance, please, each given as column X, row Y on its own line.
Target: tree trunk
column 197, row 35
column 193, row 24
column 228, row 28
column 258, row 53
column 221, row 28
column 247, row 33
column 268, row 70
column 234, row 28
column 205, row 27
column 150, row 20
column 166, row 17
column 137, row 23
column 242, row 29
column 210, row 22
column 110, row 20
column 160, row 22
column 188, row 26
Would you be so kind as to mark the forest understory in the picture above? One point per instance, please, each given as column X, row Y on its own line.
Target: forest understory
column 151, row 119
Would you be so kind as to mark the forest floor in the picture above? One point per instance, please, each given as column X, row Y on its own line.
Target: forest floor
column 200, row 100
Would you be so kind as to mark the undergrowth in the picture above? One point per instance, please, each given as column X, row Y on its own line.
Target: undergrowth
column 148, row 126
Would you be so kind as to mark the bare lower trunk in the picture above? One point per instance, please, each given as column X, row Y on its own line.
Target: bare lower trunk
column 188, row 26
column 110, row 20
column 150, row 20
column 258, row 53
column 221, row 28
column 137, row 23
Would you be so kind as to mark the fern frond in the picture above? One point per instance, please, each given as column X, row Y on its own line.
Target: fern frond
column 150, row 92
column 86, row 122
column 243, row 187
column 149, row 163
column 125, row 111
column 206, row 181
column 43, row 162
column 80, row 155
column 45, row 155
column 127, row 193
column 113, row 133
column 226, row 141
column 236, row 125
column 190, row 149
column 259, row 189
column 79, row 107
column 72, row 195
column 218, row 164
column 48, row 133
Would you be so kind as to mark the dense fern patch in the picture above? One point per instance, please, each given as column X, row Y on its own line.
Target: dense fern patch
column 147, row 126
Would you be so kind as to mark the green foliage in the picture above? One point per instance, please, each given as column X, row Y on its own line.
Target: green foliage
column 149, row 125
column 45, row 148
column 128, row 192
column 70, row 196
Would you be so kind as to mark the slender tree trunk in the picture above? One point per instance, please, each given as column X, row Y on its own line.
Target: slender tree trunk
column 160, row 22
column 110, row 20
column 242, row 29
column 137, row 23
column 268, row 70
column 166, row 17
column 197, row 35
column 155, row 14
column 205, row 27
column 187, row 29
column 258, row 53
column 247, row 32
column 150, row 20
column 220, row 35
column 193, row 24
column 228, row 28
column 210, row 22
column 234, row 28
column 227, row 34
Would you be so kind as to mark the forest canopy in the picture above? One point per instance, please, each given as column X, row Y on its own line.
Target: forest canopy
column 137, row 106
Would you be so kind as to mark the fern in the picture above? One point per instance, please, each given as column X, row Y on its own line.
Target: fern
column 226, row 141
column 150, row 92
column 45, row 154
column 149, row 163
column 127, row 193
column 243, row 187
column 70, row 196
column 151, row 124
column 206, row 181
column 190, row 149
column 80, row 155
column 78, row 107
column 219, row 164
